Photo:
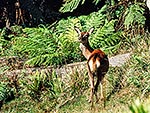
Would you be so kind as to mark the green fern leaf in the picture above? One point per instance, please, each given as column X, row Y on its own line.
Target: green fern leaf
column 70, row 5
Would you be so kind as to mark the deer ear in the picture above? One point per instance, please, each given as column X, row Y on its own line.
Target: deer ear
column 77, row 30
column 91, row 30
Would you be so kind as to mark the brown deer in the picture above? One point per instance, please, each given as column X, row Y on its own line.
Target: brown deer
column 97, row 63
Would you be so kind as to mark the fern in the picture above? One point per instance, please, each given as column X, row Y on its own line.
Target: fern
column 42, row 47
column 96, row 1
column 134, row 16
column 106, row 38
column 46, row 59
column 36, row 44
column 104, row 35
column 71, row 5
column 3, row 92
column 68, row 39
column 95, row 19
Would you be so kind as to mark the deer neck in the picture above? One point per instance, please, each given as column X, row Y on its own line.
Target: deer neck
column 86, row 50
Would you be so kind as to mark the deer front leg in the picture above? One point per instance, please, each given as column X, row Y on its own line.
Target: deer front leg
column 91, row 79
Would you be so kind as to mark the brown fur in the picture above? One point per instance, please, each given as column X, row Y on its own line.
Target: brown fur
column 97, row 63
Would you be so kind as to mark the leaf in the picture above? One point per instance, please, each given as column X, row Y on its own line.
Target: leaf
column 70, row 6
column 133, row 15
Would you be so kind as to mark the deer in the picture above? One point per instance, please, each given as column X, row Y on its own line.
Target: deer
column 97, row 63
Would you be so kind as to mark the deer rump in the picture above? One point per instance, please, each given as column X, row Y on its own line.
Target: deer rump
column 98, row 63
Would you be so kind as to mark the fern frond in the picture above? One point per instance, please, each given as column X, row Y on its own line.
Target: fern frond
column 46, row 59
column 96, row 1
column 95, row 19
column 70, row 5
column 134, row 15
column 106, row 38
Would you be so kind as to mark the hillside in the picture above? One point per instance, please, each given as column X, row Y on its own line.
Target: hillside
column 124, row 85
column 42, row 69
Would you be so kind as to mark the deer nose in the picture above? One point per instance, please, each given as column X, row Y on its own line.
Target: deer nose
column 79, row 38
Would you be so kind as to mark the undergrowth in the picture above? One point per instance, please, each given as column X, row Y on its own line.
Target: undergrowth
column 53, row 45
column 58, row 44
column 127, row 88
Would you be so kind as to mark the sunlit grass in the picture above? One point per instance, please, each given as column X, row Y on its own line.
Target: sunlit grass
column 123, row 85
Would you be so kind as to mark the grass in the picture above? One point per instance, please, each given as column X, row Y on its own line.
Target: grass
column 127, row 88
column 124, row 85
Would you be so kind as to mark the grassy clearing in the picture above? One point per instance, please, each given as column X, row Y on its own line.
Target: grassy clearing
column 124, row 85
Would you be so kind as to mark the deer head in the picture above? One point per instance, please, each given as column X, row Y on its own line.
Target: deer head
column 83, row 36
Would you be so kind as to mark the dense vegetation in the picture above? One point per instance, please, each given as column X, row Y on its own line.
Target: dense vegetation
column 120, row 26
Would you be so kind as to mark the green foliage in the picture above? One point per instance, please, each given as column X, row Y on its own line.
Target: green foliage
column 5, row 92
column 45, row 47
column 37, row 84
column 95, row 19
column 67, row 37
column 4, row 44
column 138, row 107
column 37, row 41
column 37, row 44
column 58, row 45
column 47, row 92
column 134, row 16
column 71, row 5
column 106, row 38
column 142, row 66
column 69, row 92
column 96, row 1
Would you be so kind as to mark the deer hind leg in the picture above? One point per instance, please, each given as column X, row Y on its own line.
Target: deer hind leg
column 99, row 82
column 102, row 94
column 92, row 87
column 96, row 88
column 101, row 88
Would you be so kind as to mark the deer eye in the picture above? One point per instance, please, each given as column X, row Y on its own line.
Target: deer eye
column 85, row 37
